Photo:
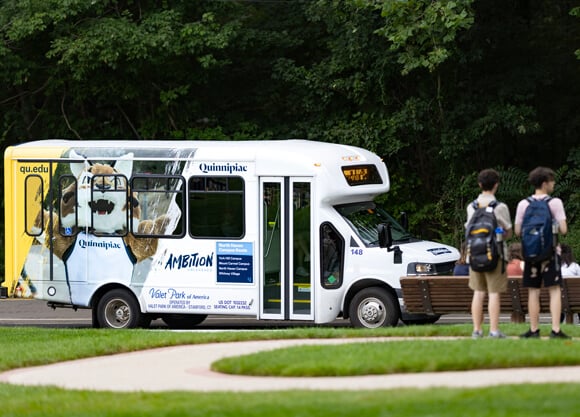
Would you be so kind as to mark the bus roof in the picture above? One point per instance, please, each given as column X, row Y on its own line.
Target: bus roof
column 257, row 147
column 271, row 157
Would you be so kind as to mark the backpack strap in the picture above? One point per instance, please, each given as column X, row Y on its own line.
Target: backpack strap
column 546, row 199
column 493, row 204
column 475, row 204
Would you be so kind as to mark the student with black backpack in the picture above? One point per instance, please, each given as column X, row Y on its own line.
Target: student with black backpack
column 488, row 226
column 539, row 220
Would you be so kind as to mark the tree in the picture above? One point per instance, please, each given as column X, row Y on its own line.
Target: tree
column 108, row 69
column 439, row 88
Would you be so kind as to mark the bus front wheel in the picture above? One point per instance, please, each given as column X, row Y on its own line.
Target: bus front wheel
column 118, row 309
column 373, row 307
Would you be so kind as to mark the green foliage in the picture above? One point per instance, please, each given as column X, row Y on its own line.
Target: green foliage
column 424, row 32
column 440, row 89
column 514, row 186
column 576, row 12
column 567, row 187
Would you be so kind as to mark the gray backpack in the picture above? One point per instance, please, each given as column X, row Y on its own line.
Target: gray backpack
column 483, row 250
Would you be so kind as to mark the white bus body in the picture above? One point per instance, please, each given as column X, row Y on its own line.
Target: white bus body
column 178, row 230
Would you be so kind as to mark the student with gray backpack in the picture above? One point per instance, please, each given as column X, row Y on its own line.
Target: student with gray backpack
column 539, row 220
column 488, row 226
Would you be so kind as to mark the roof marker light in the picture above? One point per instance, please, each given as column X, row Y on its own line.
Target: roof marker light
column 351, row 158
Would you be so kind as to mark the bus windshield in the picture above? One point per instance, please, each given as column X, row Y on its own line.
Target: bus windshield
column 364, row 218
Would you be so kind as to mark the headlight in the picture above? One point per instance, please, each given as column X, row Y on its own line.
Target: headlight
column 420, row 268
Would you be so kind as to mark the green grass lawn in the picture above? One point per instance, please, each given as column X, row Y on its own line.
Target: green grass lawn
column 411, row 356
column 32, row 346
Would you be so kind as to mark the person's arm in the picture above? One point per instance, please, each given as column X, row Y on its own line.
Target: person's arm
column 522, row 205
column 562, row 227
column 508, row 233
column 557, row 208
column 503, row 216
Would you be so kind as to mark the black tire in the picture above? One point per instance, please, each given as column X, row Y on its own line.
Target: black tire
column 183, row 321
column 118, row 309
column 374, row 307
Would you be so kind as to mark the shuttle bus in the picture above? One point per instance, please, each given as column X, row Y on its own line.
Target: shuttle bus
column 179, row 230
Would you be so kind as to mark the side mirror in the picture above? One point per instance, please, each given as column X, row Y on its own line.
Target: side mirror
column 386, row 241
column 385, row 235
column 405, row 220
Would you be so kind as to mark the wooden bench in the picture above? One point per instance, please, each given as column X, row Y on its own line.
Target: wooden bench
column 440, row 295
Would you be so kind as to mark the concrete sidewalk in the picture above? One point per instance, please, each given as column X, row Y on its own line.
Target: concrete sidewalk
column 187, row 368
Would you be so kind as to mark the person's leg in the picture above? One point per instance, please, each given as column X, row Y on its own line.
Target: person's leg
column 493, row 308
column 555, row 306
column 477, row 310
column 496, row 284
column 534, row 308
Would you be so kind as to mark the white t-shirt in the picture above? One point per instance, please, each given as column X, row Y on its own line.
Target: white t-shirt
column 570, row 270
column 555, row 204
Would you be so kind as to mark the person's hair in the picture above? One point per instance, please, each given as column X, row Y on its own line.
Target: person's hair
column 540, row 175
column 567, row 255
column 487, row 179
column 515, row 251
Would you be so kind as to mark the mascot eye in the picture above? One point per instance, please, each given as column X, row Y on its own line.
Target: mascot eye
column 119, row 182
column 101, row 183
column 67, row 196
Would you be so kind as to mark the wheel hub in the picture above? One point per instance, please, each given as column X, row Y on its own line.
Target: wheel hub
column 121, row 314
column 117, row 314
column 372, row 312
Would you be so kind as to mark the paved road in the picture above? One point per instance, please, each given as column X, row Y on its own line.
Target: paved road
column 25, row 312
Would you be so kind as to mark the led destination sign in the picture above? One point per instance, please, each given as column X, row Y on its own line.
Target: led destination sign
column 361, row 174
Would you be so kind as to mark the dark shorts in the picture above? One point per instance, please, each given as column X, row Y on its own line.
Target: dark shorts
column 542, row 273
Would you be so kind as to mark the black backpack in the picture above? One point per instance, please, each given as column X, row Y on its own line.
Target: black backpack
column 483, row 250
column 537, row 235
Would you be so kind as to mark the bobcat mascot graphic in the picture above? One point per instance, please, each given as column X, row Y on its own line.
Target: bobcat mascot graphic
column 92, row 235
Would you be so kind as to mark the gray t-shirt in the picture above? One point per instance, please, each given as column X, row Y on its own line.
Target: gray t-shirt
column 501, row 211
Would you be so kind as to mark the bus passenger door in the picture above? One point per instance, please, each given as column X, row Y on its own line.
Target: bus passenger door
column 286, row 249
column 42, row 273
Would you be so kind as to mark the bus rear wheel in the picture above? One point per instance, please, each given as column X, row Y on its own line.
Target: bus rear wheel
column 118, row 309
column 374, row 307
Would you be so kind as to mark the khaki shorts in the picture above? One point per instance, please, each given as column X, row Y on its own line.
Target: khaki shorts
column 490, row 282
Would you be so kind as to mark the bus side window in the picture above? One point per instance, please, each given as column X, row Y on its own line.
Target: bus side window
column 216, row 207
column 67, row 205
column 33, row 191
column 332, row 256
column 157, row 201
column 108, row 193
